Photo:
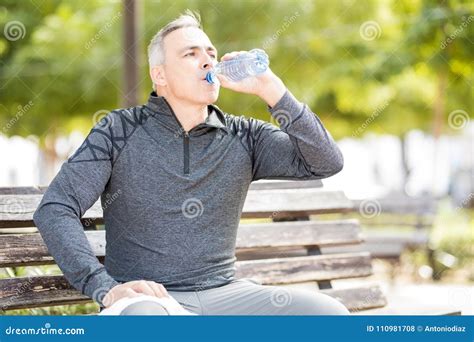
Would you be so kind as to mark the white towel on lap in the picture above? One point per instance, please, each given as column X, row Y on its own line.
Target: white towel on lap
column 169, row 303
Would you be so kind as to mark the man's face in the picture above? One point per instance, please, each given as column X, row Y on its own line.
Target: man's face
column 189, row 55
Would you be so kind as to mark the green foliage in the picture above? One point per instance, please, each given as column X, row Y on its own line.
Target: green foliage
column 350, row 61
column 60, row 310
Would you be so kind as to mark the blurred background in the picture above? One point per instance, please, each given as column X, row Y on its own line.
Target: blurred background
column 391, row 80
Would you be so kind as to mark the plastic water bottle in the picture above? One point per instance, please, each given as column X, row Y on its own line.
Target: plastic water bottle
column 242, row 66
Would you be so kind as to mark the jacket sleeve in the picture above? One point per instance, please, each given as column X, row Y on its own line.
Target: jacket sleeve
column 76, row 187
column 300, row 149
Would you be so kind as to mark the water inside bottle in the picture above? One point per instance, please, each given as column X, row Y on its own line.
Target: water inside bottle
column 234, row 65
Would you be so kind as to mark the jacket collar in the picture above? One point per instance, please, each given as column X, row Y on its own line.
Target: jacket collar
column 162, row 111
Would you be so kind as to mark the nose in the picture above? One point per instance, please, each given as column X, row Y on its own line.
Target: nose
column 207, row 62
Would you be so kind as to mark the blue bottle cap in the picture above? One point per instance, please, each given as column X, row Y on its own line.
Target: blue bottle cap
column 211, row 77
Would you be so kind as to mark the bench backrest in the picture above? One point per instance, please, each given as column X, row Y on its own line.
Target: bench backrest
column 284, row 249
column 399, row 209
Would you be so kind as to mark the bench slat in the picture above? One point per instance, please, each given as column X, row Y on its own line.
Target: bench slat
column 285, row 184
column 17, row 210
column 29, row 249
column 387, row 245
column 299, row 233
column 296, row 203
column 360, row 298
column 31, row 292
column 23, row 190
column 400, row 204
column 307, row 268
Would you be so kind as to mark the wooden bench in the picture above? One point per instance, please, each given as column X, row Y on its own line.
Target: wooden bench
column 413, row 218
column 396, row 223
column 410, row 219
column 283, row 249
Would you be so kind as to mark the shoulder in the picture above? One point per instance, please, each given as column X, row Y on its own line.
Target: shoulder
column 109, row 134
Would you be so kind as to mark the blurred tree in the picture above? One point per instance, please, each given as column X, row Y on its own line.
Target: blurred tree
column 61, row 72
column 371, row 66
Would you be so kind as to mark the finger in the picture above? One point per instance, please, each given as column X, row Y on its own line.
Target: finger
column 143, row 287
column 108, row 299
column 130, row 293
column 226, row 82
column 162, row 289
column 117, row 293
column 159, row 289
column 226, row 57
column 231, row 55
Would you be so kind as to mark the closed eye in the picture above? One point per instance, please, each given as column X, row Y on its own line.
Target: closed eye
column 193, row 54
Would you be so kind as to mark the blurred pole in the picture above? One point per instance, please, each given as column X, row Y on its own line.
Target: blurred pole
column 130, row 54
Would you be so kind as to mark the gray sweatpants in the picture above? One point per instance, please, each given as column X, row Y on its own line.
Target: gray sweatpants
column 246, row 297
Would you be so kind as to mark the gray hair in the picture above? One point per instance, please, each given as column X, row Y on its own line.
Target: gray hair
column 156, row 53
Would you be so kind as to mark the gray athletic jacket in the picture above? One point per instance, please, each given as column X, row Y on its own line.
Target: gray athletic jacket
column 172, row 199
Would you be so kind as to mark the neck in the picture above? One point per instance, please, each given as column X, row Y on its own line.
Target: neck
column 189, row 115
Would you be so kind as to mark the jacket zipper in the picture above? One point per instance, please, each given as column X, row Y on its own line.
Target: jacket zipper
column 185, row 141
column 186, row 152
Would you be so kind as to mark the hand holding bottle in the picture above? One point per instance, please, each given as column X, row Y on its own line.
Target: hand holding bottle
column 264, row 84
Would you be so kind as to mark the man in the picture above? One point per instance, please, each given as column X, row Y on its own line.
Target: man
column 173, row 175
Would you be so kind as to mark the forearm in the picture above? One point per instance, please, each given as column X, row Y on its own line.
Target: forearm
column 272, row 89
column 311, row 140
column 64, row 236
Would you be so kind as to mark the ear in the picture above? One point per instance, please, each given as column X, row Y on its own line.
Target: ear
column 157, row 75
